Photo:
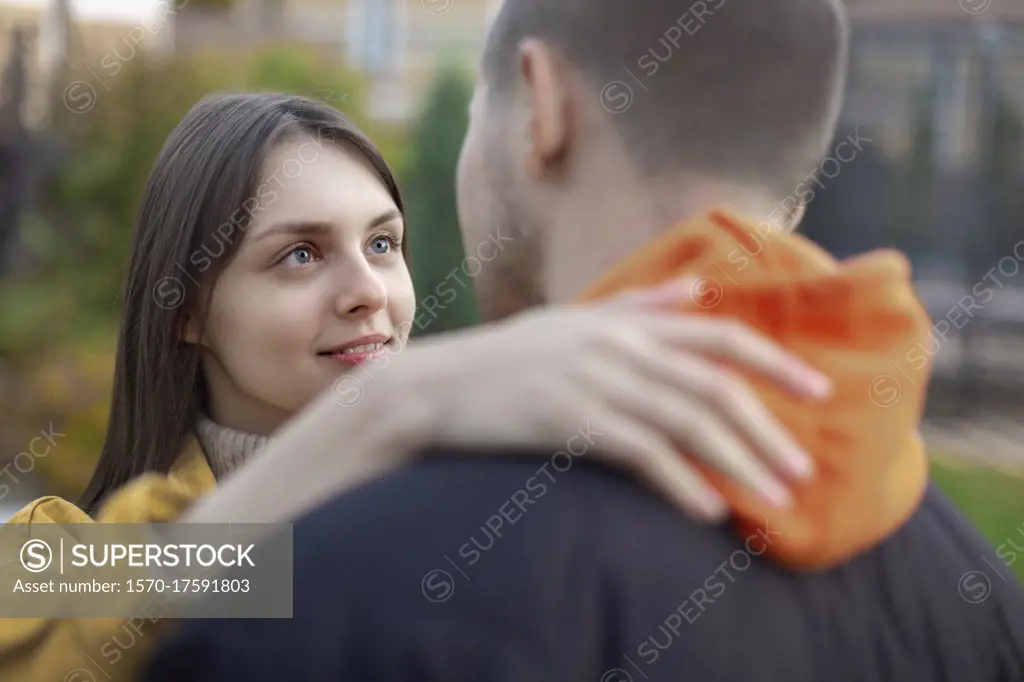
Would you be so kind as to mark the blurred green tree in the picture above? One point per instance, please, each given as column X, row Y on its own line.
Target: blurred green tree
column 445, row 297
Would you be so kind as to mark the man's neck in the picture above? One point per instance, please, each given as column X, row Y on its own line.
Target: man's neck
column 589, row 237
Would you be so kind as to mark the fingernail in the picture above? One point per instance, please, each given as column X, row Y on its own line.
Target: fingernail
column 714, row 507
column 675, row 286
column 776, row 493
column 816, row 384
column 800, row 464
column 670, row 292
column 795, row 459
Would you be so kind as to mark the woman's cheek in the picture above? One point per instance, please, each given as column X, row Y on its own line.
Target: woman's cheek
column 401, row 297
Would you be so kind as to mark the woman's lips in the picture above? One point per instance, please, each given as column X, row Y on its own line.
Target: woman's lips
column 359, row 355
column 357, row 358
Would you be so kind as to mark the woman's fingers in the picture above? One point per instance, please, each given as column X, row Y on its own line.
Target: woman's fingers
column 694, row 424
column 708, row 437
column 733, row 341
column 742, row 409
column 644, row 451
column 671, row 293
column 735, row 404
column 722, row 337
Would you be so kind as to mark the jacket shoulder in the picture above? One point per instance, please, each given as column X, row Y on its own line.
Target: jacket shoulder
column 50, row 509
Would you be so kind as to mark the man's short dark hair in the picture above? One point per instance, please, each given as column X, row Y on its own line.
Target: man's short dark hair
column 744, row 90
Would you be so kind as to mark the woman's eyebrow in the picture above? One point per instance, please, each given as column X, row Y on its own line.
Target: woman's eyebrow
column 385, row 217
column 320, row 227
column 298, row 227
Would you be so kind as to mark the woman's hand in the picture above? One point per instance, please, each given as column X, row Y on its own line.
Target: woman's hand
column 648, row 386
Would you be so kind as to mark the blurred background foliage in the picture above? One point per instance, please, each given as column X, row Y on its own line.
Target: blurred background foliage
column 443, row 288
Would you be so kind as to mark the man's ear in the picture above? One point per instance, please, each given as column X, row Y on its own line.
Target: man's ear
column 546, row 78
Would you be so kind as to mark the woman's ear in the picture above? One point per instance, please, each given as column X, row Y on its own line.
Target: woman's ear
column 190, row 331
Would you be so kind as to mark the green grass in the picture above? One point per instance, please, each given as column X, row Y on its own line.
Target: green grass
column 993, row 501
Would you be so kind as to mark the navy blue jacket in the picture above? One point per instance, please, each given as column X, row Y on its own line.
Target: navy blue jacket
column 492, row 570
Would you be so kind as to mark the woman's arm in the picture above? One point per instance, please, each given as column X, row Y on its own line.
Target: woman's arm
column 650, row 385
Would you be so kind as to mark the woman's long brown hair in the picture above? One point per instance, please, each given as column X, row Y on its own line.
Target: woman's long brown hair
column 197, row 204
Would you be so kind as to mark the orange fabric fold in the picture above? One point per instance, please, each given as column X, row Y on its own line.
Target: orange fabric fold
column 858, row 321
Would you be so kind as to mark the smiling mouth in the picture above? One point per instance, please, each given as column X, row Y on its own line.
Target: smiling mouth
column 362, row 348
column 359, row 353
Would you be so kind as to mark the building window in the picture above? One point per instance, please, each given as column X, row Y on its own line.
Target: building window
column 376, row 34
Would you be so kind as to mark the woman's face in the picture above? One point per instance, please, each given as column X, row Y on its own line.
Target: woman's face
column 317, row 287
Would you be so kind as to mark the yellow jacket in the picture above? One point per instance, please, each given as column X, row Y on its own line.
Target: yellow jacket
column 87, row 649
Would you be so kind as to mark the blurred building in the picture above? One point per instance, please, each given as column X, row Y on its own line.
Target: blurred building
column 943, row 62
column 399, row 44
column 911, row 58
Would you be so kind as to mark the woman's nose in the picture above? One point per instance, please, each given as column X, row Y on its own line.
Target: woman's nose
column 360, row 291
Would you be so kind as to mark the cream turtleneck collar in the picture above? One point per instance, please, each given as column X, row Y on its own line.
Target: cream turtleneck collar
column 226, row 448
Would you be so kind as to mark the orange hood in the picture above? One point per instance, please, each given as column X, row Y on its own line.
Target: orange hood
column 857, row 321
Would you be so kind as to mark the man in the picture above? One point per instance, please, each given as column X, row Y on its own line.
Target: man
column 595, row 127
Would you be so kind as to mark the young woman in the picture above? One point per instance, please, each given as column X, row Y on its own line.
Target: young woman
column 267, row 307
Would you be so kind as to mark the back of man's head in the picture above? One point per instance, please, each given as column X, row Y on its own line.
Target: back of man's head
column 747, row 91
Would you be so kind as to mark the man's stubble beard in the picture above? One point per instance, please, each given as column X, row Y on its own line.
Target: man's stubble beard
column 512, row 281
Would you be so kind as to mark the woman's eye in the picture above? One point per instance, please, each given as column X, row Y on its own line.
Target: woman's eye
column 302, row 255
column 384, row 244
